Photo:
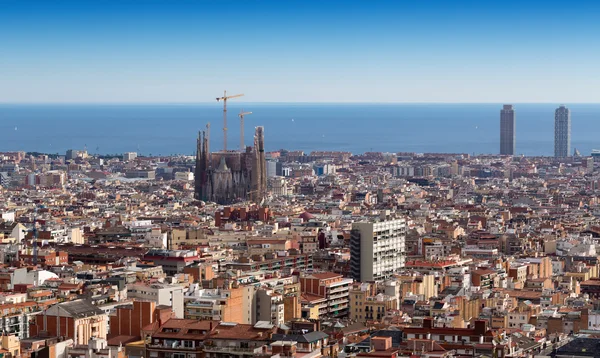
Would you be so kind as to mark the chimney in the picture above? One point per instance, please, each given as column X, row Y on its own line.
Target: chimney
column 480, row 327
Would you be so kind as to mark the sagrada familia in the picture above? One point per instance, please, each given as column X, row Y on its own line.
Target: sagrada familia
column 227, row 177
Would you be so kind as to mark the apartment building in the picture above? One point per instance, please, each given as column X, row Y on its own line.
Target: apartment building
column 192, row 338
column 377, row 248
column 367, row 305
column 329, row 290
column 172, row 261
column 78, row 320
column 269, row 307
column 234, row 303
column 162, row 294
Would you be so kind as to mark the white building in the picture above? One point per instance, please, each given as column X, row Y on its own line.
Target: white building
column 129, row 156
column 271, row 168
column 269, row 307
column 185, row 176
column 377, row 248
column 75, row 236
column 278, row 186
column 162, row 294
column 8, row 216
column 33, row 277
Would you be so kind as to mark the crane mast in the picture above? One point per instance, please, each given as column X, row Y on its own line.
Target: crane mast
column 241, row 115
column 224, row 99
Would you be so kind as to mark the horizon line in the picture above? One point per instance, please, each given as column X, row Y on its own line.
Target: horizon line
column 273, row 103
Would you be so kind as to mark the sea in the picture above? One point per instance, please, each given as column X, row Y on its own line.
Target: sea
column 171, row 129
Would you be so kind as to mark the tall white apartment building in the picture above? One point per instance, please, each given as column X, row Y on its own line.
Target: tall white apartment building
column 377, row 248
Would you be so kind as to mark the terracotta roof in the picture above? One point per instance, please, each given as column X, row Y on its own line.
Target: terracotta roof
column 325, row 275
column 307, row 297
column 184, row 328
column 240, row 331
column 118, row 340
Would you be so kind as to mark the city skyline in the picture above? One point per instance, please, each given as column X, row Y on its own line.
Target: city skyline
column 334, row 52
column 402, row 127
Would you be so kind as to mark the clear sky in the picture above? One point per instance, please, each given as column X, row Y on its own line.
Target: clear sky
column 55, row 51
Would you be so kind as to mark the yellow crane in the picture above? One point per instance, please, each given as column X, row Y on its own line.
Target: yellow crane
column 224, row 99
column 241, row 115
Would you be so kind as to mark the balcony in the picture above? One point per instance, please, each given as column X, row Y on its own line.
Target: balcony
column 338, row 308
column 339, row 289
column 232, row 350
column 170, row 347
column 336, row 302
column 200, row 304
column 339, row 295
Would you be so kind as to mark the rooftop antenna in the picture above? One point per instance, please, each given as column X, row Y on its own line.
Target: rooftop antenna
column 224, row 99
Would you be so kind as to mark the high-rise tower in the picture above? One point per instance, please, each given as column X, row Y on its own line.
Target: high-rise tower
column 377, row 248
column 507, row 130
column 259, row 167
column 562, row 132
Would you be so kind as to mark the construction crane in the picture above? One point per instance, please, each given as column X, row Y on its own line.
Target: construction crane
column 34, row 235
column 241, row 115
column 224, row 99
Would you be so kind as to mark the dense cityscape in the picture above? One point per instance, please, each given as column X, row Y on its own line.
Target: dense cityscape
column 249, row 253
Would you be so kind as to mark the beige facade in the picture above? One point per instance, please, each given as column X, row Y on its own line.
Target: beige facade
column 366, row 305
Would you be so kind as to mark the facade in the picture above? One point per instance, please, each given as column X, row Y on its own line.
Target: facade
column 130, row 318
column 129, row 156
column 162, row 294
column 232, row 176
column 367, row 305
column 269, row 307
column 329, row 290
column 172, row 261
column 562, row 132
column 222, row 304
column 191, row 338
column 271, row 168
column 96, row 348
column 507, row 130
column 377, row 249
column 16, row 318
column 78, row 320
column 278, row 186
column 298, row 262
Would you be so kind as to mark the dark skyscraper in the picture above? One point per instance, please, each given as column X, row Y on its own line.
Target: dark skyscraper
column 562, row 132
column 507, row 130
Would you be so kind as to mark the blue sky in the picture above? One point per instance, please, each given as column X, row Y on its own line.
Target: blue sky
column 299, row 51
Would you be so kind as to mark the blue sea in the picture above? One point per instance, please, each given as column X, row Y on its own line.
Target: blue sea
column 172, row 129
